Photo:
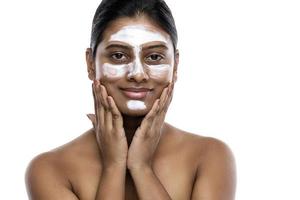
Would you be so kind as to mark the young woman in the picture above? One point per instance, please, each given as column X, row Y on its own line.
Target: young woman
column 131, row 153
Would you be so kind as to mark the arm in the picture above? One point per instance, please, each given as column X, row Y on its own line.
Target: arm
column 44, row 180
column 112, row 143
column 148, row 185
column 144, row 145
column 45, row 177
column 112, row 184
column 216, row 178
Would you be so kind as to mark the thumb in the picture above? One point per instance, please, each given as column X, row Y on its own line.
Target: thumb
column 92, row 117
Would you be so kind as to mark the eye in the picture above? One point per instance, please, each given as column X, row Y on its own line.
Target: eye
column 119, row 57
column 155, row 57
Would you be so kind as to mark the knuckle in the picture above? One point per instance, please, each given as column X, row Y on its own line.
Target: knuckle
column 106, row 108
column 115, row 116
column 150, row 118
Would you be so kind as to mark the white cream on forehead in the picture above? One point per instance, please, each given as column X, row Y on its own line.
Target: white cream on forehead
column 136, row 105
column 136, row 35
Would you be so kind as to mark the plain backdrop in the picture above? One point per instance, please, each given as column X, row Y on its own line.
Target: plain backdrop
column 238, row 81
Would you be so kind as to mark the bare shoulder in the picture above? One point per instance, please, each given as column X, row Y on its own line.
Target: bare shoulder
column 213, row 148
column 49, row 172
column 210, row 152
column 202, row 146
column 45, row 178
column 216, row 171
column 214, row 164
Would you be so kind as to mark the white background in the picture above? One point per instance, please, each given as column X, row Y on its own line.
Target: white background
column 238, row 81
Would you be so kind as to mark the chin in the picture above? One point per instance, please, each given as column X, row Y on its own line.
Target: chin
column 134, row 107
column 135, row 112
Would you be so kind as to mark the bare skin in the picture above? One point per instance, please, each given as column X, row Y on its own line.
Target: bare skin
column 133, row 154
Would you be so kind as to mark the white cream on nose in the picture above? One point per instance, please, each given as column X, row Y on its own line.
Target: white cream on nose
column 136, row 67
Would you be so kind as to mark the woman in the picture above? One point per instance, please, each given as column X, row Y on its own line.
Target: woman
column 131, row 153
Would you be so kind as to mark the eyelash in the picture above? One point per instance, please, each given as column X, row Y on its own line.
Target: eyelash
column 119, row 60
column 125, row 57
column 154, row 54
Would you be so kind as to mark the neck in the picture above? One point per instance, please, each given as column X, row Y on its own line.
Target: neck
column 131, row 124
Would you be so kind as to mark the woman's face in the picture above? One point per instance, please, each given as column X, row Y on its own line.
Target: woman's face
column 135, row 62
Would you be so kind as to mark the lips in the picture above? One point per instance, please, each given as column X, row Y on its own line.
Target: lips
column 136, row 93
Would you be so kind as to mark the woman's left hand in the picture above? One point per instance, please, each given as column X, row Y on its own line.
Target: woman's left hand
column 147, row 136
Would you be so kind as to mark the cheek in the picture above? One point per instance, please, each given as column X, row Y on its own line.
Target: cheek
column 162, row 73
column 109, row 71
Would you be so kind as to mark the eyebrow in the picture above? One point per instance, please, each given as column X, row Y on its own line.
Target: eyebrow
column 157, row 46
column 129, row 47
column 118, row 46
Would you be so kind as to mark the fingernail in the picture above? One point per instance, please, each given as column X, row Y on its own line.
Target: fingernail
column 98, row 83
column 157, row 106
column 88, row 115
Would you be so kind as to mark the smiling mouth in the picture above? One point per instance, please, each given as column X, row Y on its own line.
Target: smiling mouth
column 136, row 93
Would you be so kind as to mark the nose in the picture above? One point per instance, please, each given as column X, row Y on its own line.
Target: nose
column 137, row 73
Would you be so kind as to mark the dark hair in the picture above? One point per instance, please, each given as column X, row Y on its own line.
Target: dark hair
column 109, row 10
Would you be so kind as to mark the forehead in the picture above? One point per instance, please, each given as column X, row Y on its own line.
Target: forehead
column 137, row 30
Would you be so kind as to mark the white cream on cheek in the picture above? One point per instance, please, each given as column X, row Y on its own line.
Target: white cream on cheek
column 114, row 71
column 162, row 71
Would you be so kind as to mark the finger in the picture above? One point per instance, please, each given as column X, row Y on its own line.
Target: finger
column 117, row 117
column 166, row 103
column 153, row 110
column 108, row 118
column 96, row 102
column 171, row 91
column 92, row 118
column 163, row 97
column 107, row 109
column 148, row 120
column 170, row 86
column 99, row 110
column 104, row 96
column 95, row 98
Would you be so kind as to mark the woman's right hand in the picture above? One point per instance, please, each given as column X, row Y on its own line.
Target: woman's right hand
column 108, row 126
